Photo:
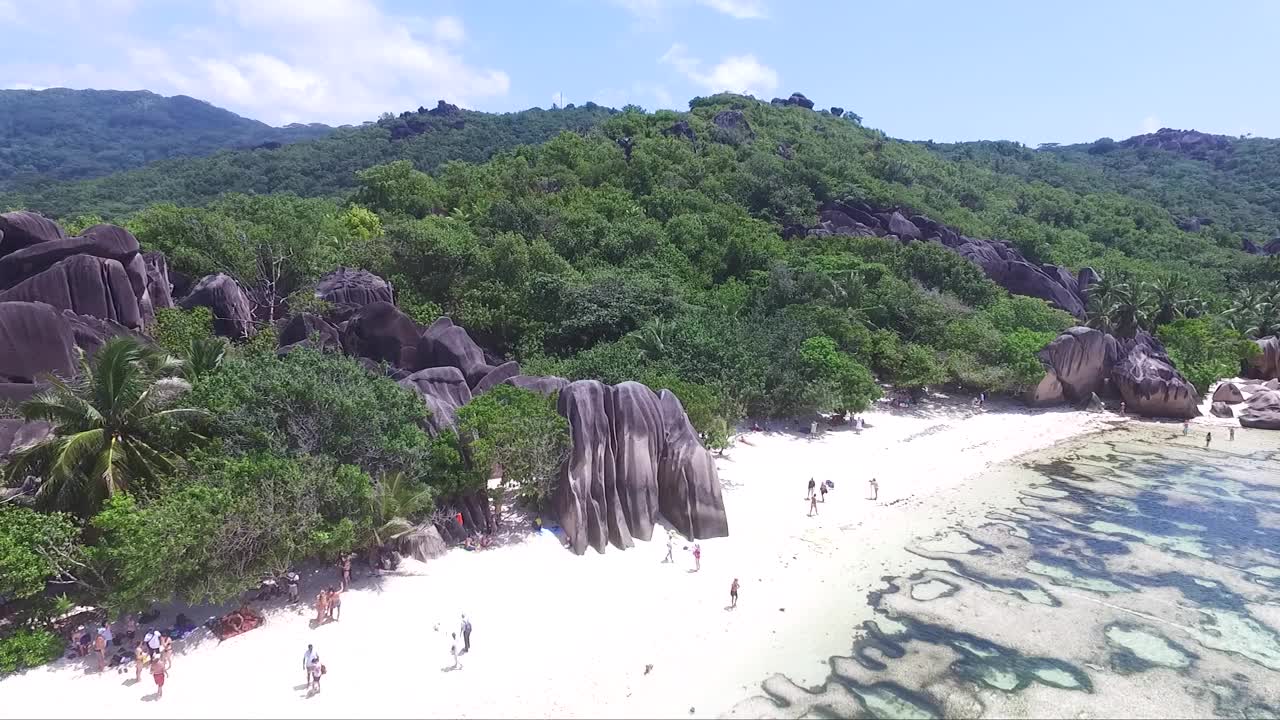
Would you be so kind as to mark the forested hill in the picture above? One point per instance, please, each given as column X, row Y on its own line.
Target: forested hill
column 324, row 167
column 61, row 134
column 1227, row 188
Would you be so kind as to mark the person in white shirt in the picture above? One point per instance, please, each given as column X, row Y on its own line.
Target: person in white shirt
column 307, row 657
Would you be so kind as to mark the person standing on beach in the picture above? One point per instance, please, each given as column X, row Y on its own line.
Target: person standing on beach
column 292, row 577
column 1208, row 438
column 453, row 650
column 158, row 674
column 697, row 557
column 875, row 489
column 668, row 558
column 809, row 494
column 166, row 651
column 1231, row 433
column 823, row 489
column 733, row 594
column 152, row 639
column 100, row 649
column 466, row 634
column 335, row 604
column 140, row 659
column 131, row 628
column 1186, row 426
column 813, row 504
column 307, row 657
column 1122, row 407
column 346, row 571
column 322, row 606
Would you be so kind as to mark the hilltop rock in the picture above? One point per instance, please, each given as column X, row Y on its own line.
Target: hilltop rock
column 380, row 332
column 681, row 129
column 1262, row 410
column 35, row 339
column 444, row 390
column 734, row 124
column 349, row 290
column 837, row 111
column 1228, row 393
column 23, row 229
column 796, row 99
column 86, row 285
column 103, row 241
column 1266, row 364
column 1149, row 383
column 232, row 314
column 1184, row 142
column 159, row 287
column 310, row 330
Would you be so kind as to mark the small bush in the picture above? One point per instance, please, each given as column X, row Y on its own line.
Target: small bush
column 29, row 648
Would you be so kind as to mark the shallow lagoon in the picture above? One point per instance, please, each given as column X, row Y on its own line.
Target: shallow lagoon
column 1134, row 578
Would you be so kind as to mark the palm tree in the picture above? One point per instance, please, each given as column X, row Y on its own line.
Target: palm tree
column 650, row 340
column 1171, row 298
column 395, row 500
column 204, row 356
column 108, row 426
column 1119, row 305
column 1255, row 312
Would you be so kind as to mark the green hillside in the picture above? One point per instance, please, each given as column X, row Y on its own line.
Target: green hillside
column 59, row 134
column 323, row 167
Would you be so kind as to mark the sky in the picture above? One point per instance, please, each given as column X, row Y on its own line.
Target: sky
column 945, row 70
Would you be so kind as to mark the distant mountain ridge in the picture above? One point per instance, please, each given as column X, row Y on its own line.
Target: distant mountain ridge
column 61, row 134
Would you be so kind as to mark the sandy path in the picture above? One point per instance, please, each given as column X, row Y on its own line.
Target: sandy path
column 561, row 635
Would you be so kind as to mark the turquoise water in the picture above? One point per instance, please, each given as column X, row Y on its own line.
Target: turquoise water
column 1132, row 579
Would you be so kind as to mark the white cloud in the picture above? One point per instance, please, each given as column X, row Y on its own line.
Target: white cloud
column 9, row 13
column 282, row 61
column 1150, row 124
column 737, row 73
column 654, row 10
column 740, row 9
column 448, row 29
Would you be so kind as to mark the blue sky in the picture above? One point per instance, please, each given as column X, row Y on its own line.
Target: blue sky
column 944, row 70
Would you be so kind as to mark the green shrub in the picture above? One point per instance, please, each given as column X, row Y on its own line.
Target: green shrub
column 29, row 648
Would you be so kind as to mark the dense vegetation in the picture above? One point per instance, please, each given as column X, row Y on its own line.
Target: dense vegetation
column 59, row 134
column 634, row 248
column 324, row 167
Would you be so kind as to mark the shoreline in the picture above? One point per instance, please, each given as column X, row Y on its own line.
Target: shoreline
column 556, row 634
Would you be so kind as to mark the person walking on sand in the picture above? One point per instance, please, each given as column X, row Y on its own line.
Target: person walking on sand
column 733, row 594
column 313, row 677
column 875, row 489
column 1122, row 407
column 809, row 494
column 306, row 662
column 292, row 577
column 1208, row 438
column 697, row 557
column 1231, row 434
column 1186, row 427
column 453, row 650
column 346, row 571
column 823, row 490
column 166, row 651
column 466, row 634
column 668, row 558
column 813, row 504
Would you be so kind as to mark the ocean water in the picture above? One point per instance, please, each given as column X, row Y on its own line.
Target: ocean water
column 1134, row 578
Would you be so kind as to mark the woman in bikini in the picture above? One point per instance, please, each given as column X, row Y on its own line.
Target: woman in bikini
column 322, row 606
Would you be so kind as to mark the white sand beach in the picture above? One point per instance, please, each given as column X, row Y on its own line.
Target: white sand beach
column 566, row 636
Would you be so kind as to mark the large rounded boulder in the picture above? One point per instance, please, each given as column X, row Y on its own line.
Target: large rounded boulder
column 1262, row 410
column 380, row 332
column 688, row 482
column 444, row 390
column 22, row 229
column 1266, row 364
column 1228, row 393
column 35, row 339
column 1150, row 385
column 309, row 330
column 580, row 498
column 348, row 290
column 232, row 313
column 444, row 343
column 86, row 285
column 1081, row 360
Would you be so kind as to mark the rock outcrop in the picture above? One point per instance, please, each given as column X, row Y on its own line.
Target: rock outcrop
column 232, row 313
column 1228, row 393
column 444, row 390
column 348, row 290
column 35, row 339
column 1262, row 410
column 1266, row 364
column 1001, row 262
column 1081, row 359
column 23, row 229
column 309, row 330
column 1221, row 409
column 1149, row 384
column 423, row 543
column 1184, row 142
column 380, row 332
